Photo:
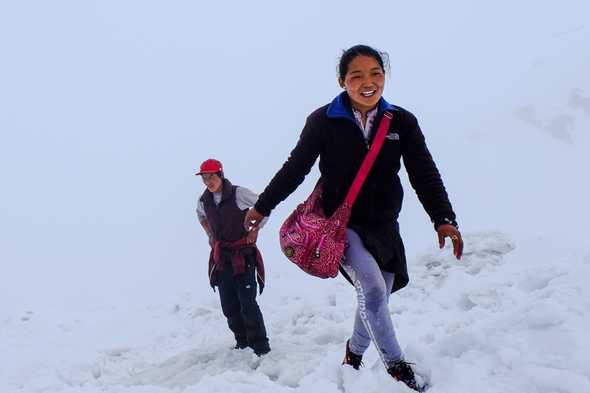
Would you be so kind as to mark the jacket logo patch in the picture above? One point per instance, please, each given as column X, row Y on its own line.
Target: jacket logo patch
column 392, row 136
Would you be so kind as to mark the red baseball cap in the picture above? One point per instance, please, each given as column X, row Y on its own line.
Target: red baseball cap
column 210, row 166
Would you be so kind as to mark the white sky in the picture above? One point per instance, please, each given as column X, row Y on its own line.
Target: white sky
column 107, row 108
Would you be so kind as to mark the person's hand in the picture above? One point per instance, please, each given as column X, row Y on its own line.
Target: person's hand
column 252, row 236
column 252, row 219
column 448, row 230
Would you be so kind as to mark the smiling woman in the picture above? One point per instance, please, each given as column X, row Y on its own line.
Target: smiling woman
column 363, row 77
column 341, row 134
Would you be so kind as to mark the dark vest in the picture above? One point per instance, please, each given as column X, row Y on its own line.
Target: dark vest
column 226, row 220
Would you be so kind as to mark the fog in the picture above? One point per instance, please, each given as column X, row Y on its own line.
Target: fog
column 108, row 108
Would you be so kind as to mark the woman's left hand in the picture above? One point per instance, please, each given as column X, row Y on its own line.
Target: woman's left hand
column 252, row 219
column 448, row 230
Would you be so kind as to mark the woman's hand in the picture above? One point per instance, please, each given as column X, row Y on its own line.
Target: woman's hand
column 448, row 230
column 252, row 219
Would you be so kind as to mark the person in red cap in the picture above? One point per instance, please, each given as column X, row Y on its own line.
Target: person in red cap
column 235, row 263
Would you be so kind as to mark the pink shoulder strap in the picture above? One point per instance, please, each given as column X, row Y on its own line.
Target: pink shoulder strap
column 369, row 159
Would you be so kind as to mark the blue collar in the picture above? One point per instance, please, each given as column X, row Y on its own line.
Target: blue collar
column 340, row 107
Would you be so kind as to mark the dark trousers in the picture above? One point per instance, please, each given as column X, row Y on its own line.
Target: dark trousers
column 238, row 302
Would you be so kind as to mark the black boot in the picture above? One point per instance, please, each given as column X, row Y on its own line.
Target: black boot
column 241, row 344
column 402, row 372
column 261, row 347
column 352, row 359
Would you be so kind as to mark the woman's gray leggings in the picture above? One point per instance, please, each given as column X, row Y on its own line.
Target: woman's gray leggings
column 373, row 287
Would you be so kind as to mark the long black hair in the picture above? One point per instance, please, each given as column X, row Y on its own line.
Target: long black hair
column 361, row 50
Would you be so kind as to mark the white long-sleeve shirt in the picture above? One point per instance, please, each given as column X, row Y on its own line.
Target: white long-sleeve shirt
column 368, row 124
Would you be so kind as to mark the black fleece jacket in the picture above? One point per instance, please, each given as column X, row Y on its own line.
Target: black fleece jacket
column 335, row 137
column 332, row 133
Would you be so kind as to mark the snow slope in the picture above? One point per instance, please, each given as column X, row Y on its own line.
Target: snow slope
column 509, row 317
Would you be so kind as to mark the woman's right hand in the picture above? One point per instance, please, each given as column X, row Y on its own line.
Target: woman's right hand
column 252, row 219
column 450, row 231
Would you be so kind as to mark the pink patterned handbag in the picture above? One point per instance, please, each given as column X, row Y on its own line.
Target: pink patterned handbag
column 315, row 242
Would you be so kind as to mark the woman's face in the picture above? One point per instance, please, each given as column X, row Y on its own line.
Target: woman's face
column 364, row 81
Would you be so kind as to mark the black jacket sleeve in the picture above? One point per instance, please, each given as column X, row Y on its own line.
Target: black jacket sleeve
column 424, row 175
column 294, row 170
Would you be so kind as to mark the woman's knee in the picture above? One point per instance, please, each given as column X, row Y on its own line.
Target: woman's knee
column 375, row 298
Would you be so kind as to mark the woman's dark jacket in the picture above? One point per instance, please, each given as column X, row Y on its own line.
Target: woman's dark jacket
column 332, row 133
